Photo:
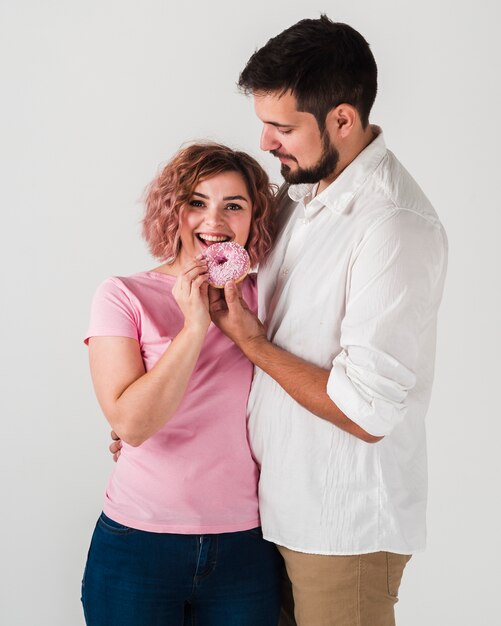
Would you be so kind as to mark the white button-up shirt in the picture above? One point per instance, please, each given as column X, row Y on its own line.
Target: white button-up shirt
column 353, row 285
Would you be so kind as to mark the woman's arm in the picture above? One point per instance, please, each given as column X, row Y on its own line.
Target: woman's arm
column 138, row 403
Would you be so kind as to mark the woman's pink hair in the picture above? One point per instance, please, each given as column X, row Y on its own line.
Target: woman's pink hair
column 174, row 186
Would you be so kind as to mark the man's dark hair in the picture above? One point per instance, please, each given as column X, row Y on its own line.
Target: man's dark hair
column 323, row 63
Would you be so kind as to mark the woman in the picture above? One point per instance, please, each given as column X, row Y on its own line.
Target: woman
column 180, row 526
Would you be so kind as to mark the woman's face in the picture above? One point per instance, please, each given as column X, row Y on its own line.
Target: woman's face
column 220, row 209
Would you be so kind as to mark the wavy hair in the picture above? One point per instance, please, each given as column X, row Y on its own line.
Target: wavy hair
column 172, row 189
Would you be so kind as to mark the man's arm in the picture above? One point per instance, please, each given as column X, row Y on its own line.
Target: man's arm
column 394, row 291
column 304, row 382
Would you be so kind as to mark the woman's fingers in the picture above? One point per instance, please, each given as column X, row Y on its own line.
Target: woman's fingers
column 195, row 266
column 193, row 273
column 199, row 281
column 189, row 273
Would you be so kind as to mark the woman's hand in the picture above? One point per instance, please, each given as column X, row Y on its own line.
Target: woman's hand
column 191, row 293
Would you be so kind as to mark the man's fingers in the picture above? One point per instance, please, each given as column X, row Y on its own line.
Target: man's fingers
column 204, row 290
column 215, row 294
column 232, row 297
column 216, row 300
column 115, row 447
column 218, row 306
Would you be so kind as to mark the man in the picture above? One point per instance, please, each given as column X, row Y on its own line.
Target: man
column 344, row 360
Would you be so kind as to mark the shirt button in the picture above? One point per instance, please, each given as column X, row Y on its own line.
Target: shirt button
column 285, row 272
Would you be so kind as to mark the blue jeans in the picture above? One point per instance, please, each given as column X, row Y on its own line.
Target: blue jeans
column 138, row 578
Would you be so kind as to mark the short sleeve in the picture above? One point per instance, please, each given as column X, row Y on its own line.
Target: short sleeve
column 113, row 313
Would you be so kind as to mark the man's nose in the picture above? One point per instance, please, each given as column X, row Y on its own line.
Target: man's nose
column 269, row 140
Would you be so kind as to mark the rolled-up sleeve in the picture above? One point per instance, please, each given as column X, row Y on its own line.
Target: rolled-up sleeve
column 393, row 294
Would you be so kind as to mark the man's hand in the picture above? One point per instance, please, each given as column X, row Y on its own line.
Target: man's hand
column 232, row 316
column 116, row 446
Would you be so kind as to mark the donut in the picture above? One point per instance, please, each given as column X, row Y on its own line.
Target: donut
column 226, row 261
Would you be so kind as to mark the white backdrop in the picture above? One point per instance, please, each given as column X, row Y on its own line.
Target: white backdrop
column 95, row 95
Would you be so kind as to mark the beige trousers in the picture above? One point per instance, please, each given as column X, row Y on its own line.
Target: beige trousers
column 359, row 590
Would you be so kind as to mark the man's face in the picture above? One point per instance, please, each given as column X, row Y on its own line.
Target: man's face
column 293, row 136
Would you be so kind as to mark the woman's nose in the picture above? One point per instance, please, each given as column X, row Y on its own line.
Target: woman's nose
column 213, row 217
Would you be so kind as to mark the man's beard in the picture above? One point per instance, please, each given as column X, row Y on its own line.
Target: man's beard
column 324, row 167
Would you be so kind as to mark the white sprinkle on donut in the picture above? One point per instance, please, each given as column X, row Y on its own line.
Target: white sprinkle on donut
column 227, row 261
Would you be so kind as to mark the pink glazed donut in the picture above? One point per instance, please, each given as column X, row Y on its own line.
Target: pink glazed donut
column 226, row 261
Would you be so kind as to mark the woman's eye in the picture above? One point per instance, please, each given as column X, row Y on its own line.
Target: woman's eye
column 233, row 207
column 196, row 203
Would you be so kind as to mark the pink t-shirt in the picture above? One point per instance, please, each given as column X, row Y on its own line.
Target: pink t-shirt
column 195, row 475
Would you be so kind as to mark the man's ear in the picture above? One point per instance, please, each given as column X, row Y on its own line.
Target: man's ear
column 341, row 121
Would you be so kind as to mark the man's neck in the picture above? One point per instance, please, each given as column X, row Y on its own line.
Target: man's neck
column 349, row 154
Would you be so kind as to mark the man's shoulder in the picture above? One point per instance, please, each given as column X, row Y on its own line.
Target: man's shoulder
column 398, row 190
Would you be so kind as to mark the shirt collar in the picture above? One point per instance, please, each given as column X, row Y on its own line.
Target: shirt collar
column 339, row 193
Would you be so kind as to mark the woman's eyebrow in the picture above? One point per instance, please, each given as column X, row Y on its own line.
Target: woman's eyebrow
column 201, row 195
column 235, row 198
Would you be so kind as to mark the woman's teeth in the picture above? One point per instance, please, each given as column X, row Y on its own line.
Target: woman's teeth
column 212, row 238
